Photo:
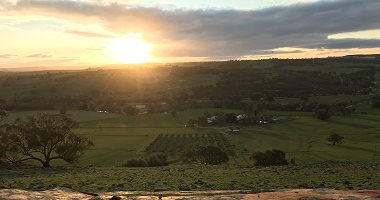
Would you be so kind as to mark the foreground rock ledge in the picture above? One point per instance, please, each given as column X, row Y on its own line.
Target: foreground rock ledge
column 310, row 194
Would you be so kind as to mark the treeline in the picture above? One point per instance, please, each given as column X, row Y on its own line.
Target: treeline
column 238, row 81
column 250, row 83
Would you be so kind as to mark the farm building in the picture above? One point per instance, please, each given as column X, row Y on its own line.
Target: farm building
column 241, row 116
column 141, row 106
column 210, row 120
column 232, row 130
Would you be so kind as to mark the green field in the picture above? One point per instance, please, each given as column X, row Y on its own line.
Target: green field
column 118, row 138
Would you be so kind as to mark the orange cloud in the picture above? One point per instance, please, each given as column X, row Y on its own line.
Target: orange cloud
column 89, row 34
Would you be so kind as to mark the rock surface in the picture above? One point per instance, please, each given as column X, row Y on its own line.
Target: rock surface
column 314, row 194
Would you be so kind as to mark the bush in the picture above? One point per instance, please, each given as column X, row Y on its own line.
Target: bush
column 152, row 161
column 322, row 114
column 136, row 163
column 158, row 160
column 205, row 155
column 273, row 157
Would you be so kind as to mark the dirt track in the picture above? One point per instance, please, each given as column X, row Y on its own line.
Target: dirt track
column 310, row 194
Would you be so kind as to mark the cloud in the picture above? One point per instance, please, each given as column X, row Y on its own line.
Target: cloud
column 222, row 33
column 39, row 63
column 39, row 55
column 4, row 5
column 6, row 56
column 345, row 44
column 88, row 34
column 165, row 4
column 269, row 52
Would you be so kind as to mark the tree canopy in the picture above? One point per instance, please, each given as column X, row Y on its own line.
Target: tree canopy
column 335, row 138
column 43, row 138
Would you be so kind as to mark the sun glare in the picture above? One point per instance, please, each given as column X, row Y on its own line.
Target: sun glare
column 130, row 50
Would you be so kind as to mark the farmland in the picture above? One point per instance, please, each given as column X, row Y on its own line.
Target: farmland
column 119, row 138
column 303, row 138
column 104, row 101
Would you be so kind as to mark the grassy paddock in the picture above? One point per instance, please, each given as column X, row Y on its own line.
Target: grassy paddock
column 118, row 139
column 305, row 138
column 114, row 146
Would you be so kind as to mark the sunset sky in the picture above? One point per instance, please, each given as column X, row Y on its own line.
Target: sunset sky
column 96, row 32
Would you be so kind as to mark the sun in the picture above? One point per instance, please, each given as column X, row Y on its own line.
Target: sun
column 130, row 50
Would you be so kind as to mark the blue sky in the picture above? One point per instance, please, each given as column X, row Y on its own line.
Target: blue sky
column 97, row 32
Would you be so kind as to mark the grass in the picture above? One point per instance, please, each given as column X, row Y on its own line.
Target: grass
column 153, row 120
column 305, row 138
column 120, row 138
column 114, row 146
column 193, row 177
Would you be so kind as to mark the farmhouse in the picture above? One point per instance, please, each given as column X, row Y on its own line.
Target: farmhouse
column 241, row 116
column 210, row 120
column 232, row 130
column 141, row 106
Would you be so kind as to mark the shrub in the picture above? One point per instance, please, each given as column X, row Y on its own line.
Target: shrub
column 152, row 161
column 273, row 157
column 158, row 160
column 205, row 155
column 136, row 163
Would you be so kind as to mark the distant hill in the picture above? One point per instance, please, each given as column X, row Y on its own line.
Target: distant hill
column 149, row 65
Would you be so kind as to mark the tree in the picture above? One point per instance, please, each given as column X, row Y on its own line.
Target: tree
column 269, row 98
column 253, row 108
column 202, row 120
column 130, row 110
column 43, row 138
column 231, row 118
column 205, row 155
column 335, row 138
column 342, row 107
column 173, row 113
column 4, row 139
column 304, row 98
column 220, row 118
column 269, row 157
column 212, row 155
column 191, row 122
column 3, row 114
column 322, row 114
